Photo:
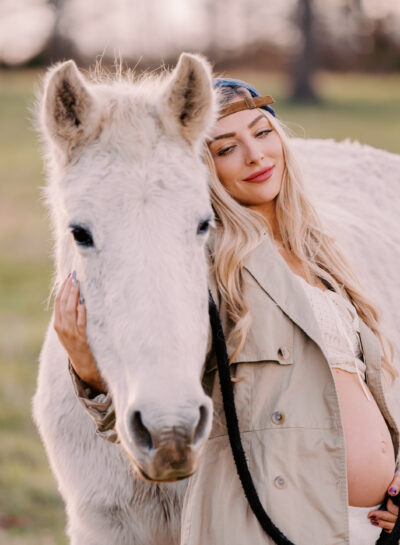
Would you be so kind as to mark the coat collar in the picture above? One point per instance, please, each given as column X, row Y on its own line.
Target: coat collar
column 273, row 275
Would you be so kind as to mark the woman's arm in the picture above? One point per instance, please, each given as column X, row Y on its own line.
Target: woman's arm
column 90, row 388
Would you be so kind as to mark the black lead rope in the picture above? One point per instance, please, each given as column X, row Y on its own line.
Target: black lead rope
column 219, row 345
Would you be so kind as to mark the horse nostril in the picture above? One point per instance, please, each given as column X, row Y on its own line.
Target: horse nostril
column 140, row 433
column 201, row 424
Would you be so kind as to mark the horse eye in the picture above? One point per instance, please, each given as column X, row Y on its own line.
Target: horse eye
column 203, row 226
column 82, row 236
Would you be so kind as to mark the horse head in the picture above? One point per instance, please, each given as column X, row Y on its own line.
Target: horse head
column 128, row 193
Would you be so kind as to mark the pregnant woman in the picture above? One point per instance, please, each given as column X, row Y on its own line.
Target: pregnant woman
column 307, row 353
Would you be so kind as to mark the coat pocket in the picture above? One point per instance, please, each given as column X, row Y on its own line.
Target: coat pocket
column 269, row 346
column 270, row 337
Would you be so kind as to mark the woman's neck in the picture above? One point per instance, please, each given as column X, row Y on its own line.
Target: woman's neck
column 268, row 211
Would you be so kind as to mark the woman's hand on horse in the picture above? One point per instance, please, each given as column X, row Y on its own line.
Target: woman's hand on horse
column 70, row 325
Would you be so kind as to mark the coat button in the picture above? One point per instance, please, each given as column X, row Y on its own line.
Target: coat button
column 278, row 417
column 279, row 482
column 284, row 352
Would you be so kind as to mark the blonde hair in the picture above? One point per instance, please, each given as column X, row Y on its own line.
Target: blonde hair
column 239, row 230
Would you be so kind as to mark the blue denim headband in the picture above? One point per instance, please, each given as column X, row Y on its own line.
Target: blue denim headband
column 229, row 82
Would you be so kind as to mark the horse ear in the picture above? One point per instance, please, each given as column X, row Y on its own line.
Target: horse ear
column 69, row 113
column 189, row 102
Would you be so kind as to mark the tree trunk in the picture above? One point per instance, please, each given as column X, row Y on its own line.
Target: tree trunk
column 58, row 47
column 305, row 62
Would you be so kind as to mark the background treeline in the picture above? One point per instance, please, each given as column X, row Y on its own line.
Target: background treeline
column 297, row 37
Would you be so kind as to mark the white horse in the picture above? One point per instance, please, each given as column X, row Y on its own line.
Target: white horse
column 128, row 193
column 356, row 189
column 126, row 178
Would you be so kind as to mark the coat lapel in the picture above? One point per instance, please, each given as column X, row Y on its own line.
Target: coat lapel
column 372, row 356
column 371, row 350
column 273, row 275
column 269, row 269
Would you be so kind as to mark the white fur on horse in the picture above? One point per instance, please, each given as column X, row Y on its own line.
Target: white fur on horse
column 356, row 189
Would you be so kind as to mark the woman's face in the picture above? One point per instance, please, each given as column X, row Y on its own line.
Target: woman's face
column 248, row 157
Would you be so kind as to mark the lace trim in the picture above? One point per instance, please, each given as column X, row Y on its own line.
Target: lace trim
column 335, row 302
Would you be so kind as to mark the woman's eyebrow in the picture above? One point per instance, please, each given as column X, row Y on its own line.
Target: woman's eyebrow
column 261, row 116
column 230, row 134
column 226, row 135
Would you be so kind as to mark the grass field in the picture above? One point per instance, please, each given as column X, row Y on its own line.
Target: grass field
column 358, row 107
column 31, row 511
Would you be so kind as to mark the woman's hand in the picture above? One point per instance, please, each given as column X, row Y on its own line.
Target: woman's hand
column 386, row 519
column 70, row 325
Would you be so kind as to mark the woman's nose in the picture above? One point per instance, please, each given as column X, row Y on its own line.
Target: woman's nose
column 253, row 154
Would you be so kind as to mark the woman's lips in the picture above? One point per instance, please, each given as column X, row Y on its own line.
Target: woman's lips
column 260, row 175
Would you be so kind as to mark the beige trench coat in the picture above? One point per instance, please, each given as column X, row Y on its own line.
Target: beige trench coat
column 289, row 419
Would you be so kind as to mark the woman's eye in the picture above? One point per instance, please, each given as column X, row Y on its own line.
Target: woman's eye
column 225, row 151
column 82, row 236
column 264, row 132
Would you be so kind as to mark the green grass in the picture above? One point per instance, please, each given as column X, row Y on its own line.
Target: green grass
column 31, row 512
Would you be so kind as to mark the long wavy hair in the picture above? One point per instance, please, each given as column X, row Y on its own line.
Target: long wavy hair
column 239, row 230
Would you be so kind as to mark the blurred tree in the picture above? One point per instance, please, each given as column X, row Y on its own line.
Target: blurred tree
column 263, row 34
column 58, row 47
column 358, row 34
column 305, row 62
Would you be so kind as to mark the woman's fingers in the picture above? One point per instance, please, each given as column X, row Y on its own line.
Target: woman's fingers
column 70, row 325
column 71, row 302
column 391, row 507
column 66, row 313
column 386, row 519
column 81, row 317
column 383, row 519
column 385, row 525
column 57, row 303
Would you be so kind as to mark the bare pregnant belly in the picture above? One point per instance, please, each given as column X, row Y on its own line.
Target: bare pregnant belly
column 369, row 447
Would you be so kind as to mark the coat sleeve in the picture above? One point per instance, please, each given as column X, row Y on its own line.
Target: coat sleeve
column 99, row 407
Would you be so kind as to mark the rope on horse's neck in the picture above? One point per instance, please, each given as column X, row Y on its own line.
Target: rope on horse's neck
column 219, row 346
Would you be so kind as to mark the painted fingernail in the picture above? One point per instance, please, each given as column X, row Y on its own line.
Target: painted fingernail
column 81, row 299
column 69, row 275
column 375, row 522
column 372, row 517
column 74, row 274
column 75, row 282
column 393, row 490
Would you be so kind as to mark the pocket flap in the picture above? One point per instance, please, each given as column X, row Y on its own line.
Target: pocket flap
column 270, row 338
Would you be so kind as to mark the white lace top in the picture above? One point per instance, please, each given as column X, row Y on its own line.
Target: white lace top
column 340, row 326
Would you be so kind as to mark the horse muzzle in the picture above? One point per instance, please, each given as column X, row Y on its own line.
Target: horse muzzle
column 166, row 449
